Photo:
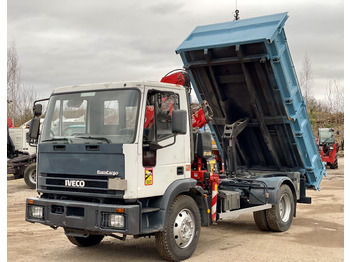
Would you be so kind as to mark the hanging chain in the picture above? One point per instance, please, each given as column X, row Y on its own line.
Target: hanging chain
column 236, row 15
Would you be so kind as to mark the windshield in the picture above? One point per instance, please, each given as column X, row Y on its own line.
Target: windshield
column 92, row 117
column 326, row 135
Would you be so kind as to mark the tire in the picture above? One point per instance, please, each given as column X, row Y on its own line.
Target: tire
column 182, row 229
column 89, row 241
column 30, row 176
column 335, row 163
column 280, row 216
column 261, row 220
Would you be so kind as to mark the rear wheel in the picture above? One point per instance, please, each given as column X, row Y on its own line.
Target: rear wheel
column 280, row 216
column 182, row 229
column 30, row 175
column 91, row 240
column 261, row 220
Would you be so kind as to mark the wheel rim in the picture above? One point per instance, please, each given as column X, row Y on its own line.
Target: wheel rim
column 184, row 228
column 285, row 207
column 32, row 176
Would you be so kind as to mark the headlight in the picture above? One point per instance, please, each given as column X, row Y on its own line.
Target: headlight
column 36, row 211
column 116, row 220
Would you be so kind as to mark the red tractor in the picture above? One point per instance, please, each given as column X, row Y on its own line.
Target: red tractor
column 327, row 147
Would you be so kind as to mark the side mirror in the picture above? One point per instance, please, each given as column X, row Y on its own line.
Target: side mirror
column 37, row 109
column 178, row 126
column 337, row 132
column 179, row 122
column 34, row 129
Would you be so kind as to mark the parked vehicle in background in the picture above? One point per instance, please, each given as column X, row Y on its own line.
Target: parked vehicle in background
column 19, row 137
column 20, row 163
column 327, row 147
column 21, row 157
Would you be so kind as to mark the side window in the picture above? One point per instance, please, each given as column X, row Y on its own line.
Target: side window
column 166, row 104
column 158, row 115
column 157, row 122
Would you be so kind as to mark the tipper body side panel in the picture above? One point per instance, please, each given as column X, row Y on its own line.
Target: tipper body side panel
column 244, row 70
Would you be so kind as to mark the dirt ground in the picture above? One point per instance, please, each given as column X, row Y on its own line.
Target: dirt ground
column 317, row 234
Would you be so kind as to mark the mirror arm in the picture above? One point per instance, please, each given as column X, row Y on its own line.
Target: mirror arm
column 32, row 144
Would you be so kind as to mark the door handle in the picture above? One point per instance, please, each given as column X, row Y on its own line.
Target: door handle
column 180, row 170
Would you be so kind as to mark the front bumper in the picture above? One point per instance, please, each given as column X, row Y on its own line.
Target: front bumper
column 89, row 217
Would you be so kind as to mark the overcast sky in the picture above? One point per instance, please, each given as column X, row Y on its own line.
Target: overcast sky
column 83, row 41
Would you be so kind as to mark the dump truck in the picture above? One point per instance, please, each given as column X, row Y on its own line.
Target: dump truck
column 138, row 164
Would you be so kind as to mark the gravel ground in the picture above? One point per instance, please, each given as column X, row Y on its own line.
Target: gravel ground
column 317, row 234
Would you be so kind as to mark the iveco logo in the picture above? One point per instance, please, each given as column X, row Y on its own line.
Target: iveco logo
column 74, row 183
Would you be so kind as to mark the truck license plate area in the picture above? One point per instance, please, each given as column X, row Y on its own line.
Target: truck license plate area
column 57, row 209
column 70, row 211
column 75, row 211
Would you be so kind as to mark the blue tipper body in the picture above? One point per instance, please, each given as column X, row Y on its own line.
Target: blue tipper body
column 244, row 69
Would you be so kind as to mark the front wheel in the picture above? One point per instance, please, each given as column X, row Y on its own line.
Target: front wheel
column 280, row 216
column 30, row 175
column 182, row 229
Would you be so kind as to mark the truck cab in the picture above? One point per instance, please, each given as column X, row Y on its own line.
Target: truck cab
column 111, row 131
column 121, row 153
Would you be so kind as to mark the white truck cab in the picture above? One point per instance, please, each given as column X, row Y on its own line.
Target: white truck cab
column 119, row 166
column 131, row 114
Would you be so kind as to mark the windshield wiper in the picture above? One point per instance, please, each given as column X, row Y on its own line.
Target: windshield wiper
column 95, row 138
column 57, row 139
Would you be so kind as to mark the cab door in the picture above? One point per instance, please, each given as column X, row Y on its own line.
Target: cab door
column 164, row 159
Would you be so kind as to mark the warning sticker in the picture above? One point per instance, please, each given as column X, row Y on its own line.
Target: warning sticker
column 148, row 176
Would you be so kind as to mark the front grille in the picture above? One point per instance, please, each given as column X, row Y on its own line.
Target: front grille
column 75, row 184
column 104, row 220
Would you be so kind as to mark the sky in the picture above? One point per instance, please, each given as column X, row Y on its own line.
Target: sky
column 65, row 42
